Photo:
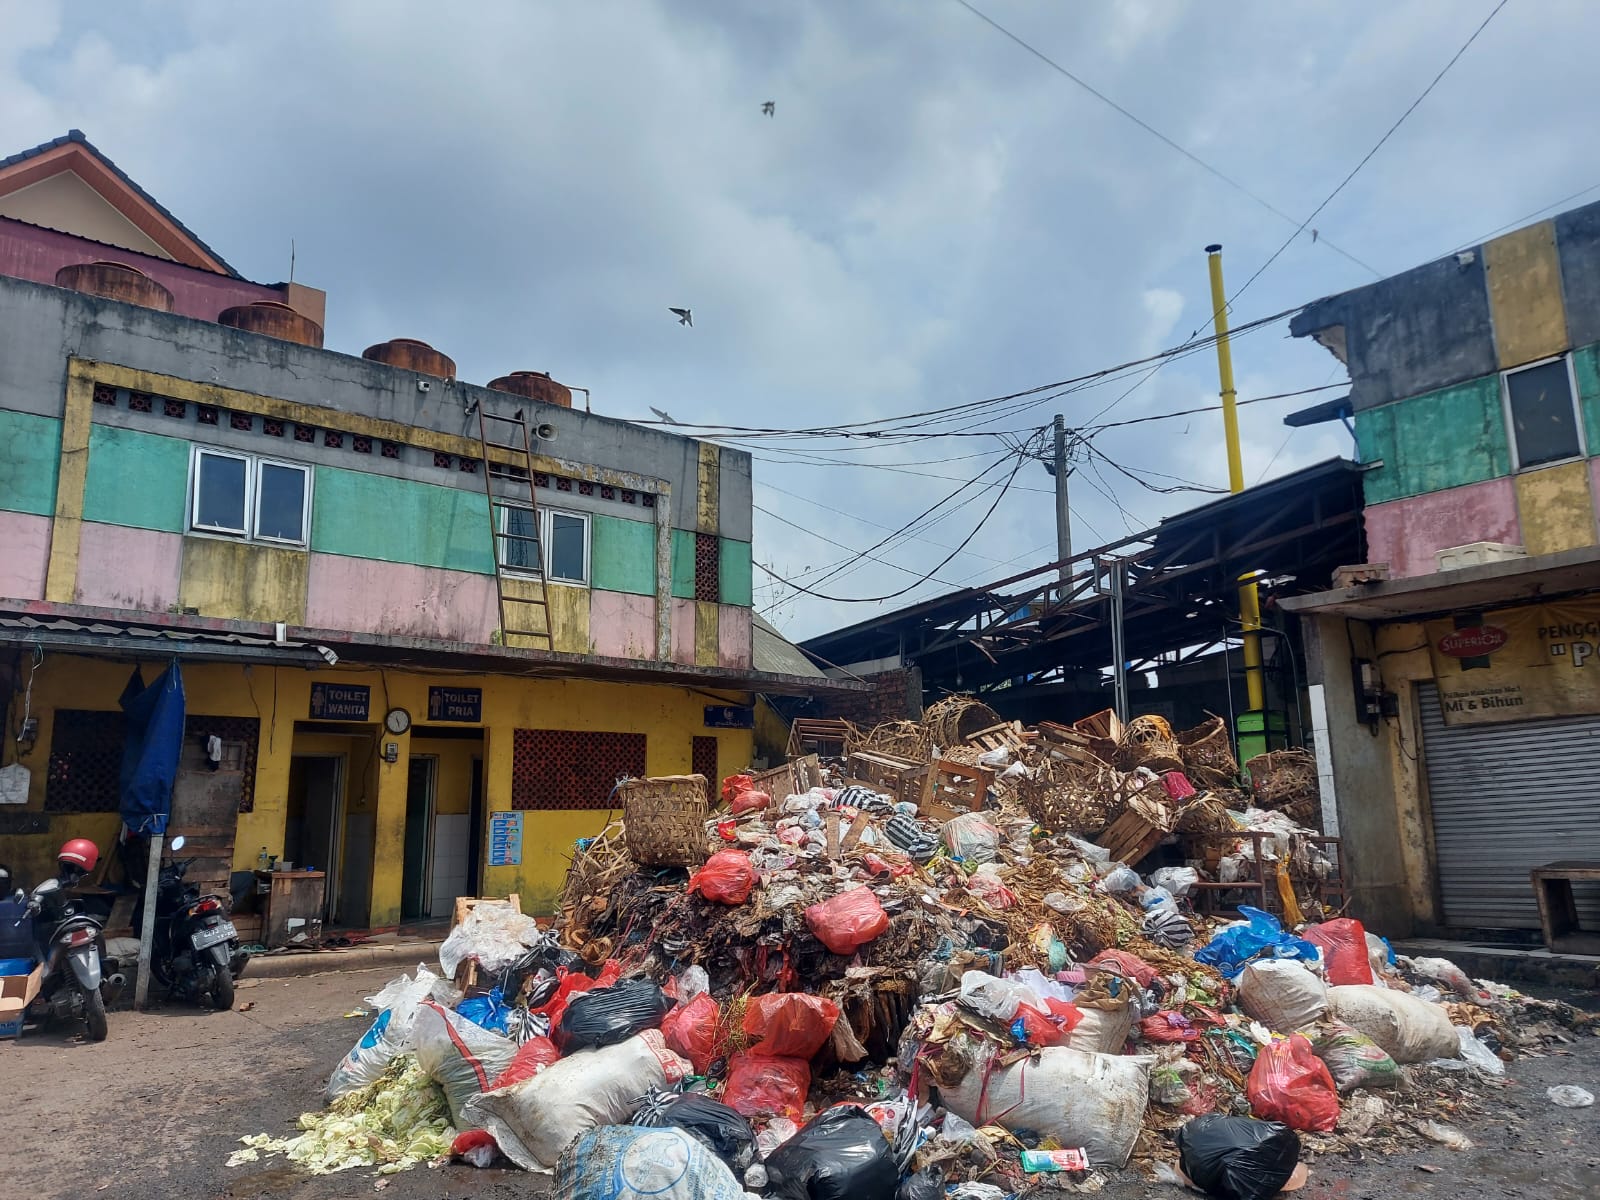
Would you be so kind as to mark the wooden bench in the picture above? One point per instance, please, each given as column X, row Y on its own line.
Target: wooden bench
column 1558, row 912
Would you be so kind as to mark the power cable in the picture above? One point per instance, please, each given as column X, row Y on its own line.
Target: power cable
column 1154, row 132
column 853, row 551
column 1523, row 220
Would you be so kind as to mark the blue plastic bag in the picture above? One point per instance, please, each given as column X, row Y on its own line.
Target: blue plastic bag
column 488, row 1011
column 1236, row 947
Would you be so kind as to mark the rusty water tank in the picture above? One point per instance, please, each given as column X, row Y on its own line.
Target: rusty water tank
column 115, row 281
column 535, row 385
column 412, row 355
column 273, row 319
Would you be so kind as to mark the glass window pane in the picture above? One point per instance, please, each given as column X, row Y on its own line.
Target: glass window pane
column 566, row 547
column 219, row 500
column 515, row 553
column 281, row 506
column 1541, row 414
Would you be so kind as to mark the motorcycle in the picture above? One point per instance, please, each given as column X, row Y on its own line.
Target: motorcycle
column 196, row 950
column 70, row 948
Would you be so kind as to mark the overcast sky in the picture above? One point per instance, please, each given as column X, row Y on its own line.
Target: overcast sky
column 931, row 216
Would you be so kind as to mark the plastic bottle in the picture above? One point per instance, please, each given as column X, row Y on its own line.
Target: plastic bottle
column 263, row 860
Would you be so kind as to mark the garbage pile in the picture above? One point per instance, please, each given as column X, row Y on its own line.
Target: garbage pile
column 963, row 959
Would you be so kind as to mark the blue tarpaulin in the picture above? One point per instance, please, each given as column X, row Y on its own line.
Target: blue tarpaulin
column 152, row 741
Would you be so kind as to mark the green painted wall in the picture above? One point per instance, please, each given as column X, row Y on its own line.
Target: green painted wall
column 1435, row 441
column 1586, row 366
column 398, row 520
column 30, row 451
column 683, row 564
column 622, row 555
column 136, row 479
column 734, row 571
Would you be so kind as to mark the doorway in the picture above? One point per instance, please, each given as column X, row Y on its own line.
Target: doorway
column 314, row 820
column 416, row 891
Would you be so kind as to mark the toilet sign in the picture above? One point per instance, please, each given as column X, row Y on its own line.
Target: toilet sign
column 505, row 839
column 455, row 704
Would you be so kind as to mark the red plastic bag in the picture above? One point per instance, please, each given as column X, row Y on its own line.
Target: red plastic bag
column 1048, row 1028
column 726, row 878
column 694, row 1031
column 789, row 1024
column 876, row 864
column 1289, row 1083
column 476, row 1147
column 1343, row 943
column 848, row 921
column 735, row 786
column 533, row 1056
column 760, row 1085
column 1129, row 966
column 1167, row 1027
column 750, row 801
column 575, row 982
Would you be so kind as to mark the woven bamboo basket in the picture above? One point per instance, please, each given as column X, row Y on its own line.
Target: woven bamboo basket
column 1207, row 752
column 956, row 718
column 664, row 820
column 1148, row 741
column 1069, row 799
column 904, row 739
column 1281, row 778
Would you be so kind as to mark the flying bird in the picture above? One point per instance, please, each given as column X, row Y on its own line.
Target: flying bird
column 1313, row 236
column 661, row 416
column 685, row 317
column 770, row 108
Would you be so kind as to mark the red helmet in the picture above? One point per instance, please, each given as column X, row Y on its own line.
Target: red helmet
column 81, row 853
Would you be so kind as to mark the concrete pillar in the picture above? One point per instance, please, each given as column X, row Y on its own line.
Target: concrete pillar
column 389, row 832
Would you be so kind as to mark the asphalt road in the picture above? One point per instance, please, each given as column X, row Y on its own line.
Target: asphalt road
column 157, row 1108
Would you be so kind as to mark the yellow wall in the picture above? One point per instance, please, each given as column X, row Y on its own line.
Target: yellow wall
column 243, row 581
column 1524, row 278
column 670, row 717
column 1554, row 507
column 453, row 783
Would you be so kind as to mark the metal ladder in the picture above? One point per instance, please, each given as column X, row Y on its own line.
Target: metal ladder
column 524, row 611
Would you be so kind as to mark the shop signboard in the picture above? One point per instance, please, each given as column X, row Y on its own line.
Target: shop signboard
column 1542, row 660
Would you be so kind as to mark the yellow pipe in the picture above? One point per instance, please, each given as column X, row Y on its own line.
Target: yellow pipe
column 1249, row 601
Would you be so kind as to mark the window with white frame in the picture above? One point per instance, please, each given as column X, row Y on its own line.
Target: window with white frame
column 1542, row 413
column 553, row 541
column 245, row 496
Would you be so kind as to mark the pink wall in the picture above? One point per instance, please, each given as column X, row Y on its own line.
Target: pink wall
column 128, row 568
column 622, row 625
column 366, row 596
column 24, row 555
column 1408, row 533
column 30, row 252
column 683, row 631
column 733, row 636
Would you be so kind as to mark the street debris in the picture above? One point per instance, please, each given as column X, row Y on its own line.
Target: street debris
column 961, row 958
column 1568, row 1096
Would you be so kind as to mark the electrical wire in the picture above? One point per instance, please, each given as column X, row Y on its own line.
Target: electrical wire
column 1154, row 132
column 1523, row 220
column 853, row 551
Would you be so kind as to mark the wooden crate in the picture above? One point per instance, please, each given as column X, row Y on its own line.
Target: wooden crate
column 901, row 778
column 825, row 736
column 953, row 788
column 1067, row 743
column 1008, row 736
column 465, row 904
column 793, row 778
column 1133, row 835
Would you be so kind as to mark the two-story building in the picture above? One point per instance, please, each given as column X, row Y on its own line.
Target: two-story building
column 1457, row 682
column 429, row 681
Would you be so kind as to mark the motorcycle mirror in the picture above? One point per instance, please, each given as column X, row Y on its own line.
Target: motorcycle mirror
column 48, row 886
column 19, row 896
column 177, row 843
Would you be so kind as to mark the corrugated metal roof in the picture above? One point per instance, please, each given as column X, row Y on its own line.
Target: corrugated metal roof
column 775, row 654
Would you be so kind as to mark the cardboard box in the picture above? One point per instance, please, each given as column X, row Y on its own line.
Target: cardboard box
column 16, row 993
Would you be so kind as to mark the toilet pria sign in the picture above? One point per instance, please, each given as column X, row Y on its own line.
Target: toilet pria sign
column 1541, row 660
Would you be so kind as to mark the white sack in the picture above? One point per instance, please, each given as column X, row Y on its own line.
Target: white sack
column 1282, row 994
column 1411, row 1030
column 533, row 1121
column 1096, row 1101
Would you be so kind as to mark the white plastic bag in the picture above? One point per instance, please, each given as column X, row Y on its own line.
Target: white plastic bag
column 1096, row 1101
column 1122, row 879
column 461, row 1057
column 1411, row 1030
column 1176, row 880
column 1474, row 1055
column 1089, row 850
column 533, row 1121
column 996, row 758
column 997, row 999
column 494, row 933
column 1282, row 995
column 389, row 1034
column 1449, row 976
column 971, row 838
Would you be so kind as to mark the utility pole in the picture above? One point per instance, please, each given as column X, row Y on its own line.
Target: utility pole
column 1249, row 601
column 1063, row 513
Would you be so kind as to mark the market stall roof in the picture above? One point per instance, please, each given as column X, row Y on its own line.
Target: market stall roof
column 142, row 635
column 774, row 654
column 1181, row 592
column 1517, row 581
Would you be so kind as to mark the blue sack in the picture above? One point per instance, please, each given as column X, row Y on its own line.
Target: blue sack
column 488, row 1011
column 626, row 1162
column 1237, row 946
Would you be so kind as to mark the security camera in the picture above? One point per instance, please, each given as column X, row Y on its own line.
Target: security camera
column 423, row 385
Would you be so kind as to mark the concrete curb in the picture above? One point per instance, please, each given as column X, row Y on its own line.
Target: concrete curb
column 1510, row 965
column 402, row 956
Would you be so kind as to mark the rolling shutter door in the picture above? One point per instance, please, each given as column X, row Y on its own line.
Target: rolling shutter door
column 1506, row 799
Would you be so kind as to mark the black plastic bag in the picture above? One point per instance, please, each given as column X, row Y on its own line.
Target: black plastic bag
column 723, row 1130
column 926, row 1184
column 610, row 1015
column 840, row 1155
column 1238, row 1158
